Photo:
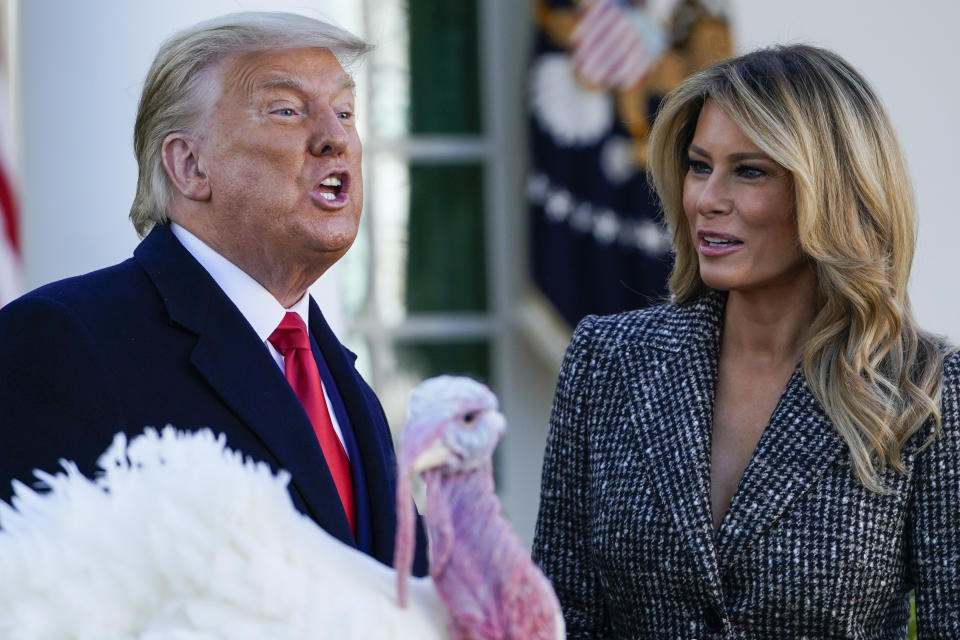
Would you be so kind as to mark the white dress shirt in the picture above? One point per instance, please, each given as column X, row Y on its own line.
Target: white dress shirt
column 262, row 311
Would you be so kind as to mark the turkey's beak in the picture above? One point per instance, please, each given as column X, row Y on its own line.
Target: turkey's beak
column 433, row 456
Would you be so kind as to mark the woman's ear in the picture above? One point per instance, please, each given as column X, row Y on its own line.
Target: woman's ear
column 181, row 160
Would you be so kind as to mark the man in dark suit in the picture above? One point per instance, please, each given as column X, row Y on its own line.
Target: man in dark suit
column 249, row 189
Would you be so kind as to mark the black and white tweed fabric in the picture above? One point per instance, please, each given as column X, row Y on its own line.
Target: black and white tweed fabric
column 625, row 531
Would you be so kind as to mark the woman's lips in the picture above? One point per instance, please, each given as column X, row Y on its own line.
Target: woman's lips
column 715, row 243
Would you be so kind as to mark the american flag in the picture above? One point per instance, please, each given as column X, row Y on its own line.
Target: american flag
column 10, row 264
column 608, row 50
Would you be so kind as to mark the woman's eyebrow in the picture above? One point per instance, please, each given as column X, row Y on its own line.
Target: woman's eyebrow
column 746, row 155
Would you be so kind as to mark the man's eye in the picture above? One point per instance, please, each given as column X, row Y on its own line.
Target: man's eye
column 345, row 115
column 285, row 111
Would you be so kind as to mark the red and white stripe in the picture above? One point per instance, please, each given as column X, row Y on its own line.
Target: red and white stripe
column 10, row 267
column 10, row 261
column 608, row 49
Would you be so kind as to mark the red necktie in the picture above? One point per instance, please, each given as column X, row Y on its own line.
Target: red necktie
column 291, row 340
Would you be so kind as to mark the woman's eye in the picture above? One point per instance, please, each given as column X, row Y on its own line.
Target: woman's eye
column 698, row 166
column 750, row 172
column 284, row 111
column 345, row 115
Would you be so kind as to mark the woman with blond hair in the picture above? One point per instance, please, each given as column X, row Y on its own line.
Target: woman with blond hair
column 776, row 452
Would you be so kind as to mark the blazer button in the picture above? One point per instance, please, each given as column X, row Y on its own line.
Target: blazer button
column 714, row 619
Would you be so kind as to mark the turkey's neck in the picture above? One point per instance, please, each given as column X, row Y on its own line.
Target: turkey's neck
column 462, row 507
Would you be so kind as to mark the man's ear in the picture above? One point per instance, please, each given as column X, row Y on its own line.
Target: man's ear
column 181, row 160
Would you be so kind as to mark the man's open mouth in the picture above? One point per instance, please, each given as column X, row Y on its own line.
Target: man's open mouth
column 333, row 188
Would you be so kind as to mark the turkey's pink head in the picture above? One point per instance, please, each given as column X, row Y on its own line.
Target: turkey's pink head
column 453, row 425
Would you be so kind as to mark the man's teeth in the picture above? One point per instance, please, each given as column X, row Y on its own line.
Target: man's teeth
column 334, row 183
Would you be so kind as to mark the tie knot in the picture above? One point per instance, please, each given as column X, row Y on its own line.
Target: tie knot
column 290, row 334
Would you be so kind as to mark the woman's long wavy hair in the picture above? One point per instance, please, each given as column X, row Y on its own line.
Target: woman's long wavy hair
column 876, row 375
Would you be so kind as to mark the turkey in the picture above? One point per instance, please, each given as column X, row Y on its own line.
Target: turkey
column 180, row 538
column 491, row 587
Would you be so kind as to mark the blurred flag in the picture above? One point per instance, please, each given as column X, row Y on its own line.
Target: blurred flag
column 10, row 265
column 599, row 70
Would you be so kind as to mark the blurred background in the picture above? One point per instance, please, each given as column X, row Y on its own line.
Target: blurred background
column 504, row 148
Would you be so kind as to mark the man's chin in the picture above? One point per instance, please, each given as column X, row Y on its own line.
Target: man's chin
column 329, row 253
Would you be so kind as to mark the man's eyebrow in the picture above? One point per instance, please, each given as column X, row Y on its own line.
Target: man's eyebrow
column 747, row 155
column 282, row 83
column 292, row 84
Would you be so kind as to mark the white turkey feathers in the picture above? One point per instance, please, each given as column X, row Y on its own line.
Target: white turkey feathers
column 181, row 539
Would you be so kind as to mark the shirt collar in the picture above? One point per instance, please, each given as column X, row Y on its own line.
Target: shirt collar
column 255, row 303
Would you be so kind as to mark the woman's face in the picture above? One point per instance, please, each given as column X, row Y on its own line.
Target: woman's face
column 741, row 210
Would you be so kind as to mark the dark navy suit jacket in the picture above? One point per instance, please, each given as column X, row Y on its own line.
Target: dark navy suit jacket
column 154, row 341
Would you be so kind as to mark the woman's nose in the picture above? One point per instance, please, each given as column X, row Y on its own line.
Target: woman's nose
column 714, row 197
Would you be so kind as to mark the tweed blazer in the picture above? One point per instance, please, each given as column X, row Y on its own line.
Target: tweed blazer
column 805, row 551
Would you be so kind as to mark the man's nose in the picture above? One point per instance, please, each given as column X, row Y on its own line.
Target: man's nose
column 330, row 136
column 714, row 197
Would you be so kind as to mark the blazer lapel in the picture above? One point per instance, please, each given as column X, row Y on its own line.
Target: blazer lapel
column 250, row 382
column 671, row 379
column 796, row 448
column 370, row 431
column 230, row 356
column 671, row 376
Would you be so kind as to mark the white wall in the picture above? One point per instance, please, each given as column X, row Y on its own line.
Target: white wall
column 907, row 50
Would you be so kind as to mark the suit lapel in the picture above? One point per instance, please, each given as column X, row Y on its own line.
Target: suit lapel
column 239, row 368
column 671, row 379
column 796, row 448
column 230, row 356
column 371, row 434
